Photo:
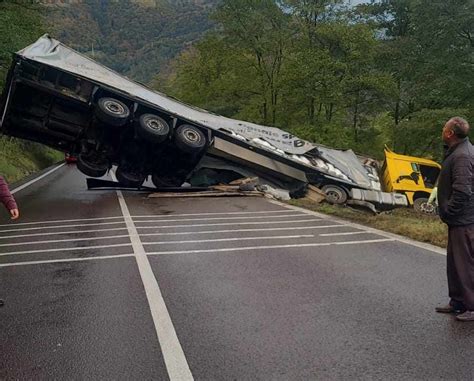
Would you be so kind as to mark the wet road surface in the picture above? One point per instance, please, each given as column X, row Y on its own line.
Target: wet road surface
column 112, row 285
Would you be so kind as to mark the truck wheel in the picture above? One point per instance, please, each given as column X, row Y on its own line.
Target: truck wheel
column 152, row 127
column 165, row 181
column 335, row 194
column 111, row 111
column 129, row 178
column 421, row 205
column 92, row 167
column 189, row 139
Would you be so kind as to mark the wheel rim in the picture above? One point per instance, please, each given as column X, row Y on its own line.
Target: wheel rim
column 191, row 135
column 114, row 107
column 334, row 195
column 154, row 124
column 427, row 208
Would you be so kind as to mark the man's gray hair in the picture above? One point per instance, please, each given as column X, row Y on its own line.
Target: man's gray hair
column 460, row 126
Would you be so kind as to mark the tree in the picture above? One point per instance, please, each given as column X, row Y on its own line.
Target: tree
column 21, row 24
column 258, row 28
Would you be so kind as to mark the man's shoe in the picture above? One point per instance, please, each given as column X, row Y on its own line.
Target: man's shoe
column 449, row 309
column 466, row 316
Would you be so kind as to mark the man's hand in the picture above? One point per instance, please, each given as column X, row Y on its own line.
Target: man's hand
column 15, row 213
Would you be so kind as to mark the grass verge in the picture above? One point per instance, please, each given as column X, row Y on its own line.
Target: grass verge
column 401, row 221
column 19, row 159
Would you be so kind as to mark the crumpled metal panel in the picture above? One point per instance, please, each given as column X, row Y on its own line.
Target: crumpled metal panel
column 379, row 198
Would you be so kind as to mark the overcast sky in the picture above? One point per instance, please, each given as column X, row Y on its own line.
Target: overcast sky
column 355, row 2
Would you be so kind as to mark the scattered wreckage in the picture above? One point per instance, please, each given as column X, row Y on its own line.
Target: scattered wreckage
column 58, row 97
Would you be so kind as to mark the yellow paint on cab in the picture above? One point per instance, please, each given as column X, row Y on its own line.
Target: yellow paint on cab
column 413, row 176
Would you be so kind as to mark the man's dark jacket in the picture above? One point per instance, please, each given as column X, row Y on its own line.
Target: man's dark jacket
column 456, row 185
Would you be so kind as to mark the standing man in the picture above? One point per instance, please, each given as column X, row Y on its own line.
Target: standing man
column 7, row 199
column 456, row 209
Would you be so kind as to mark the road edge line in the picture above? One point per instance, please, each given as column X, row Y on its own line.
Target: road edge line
column 408, row 241
column 27, row 184
column 173, row 354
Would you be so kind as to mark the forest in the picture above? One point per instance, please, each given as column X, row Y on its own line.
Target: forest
column 134, row 37
column 387, row 72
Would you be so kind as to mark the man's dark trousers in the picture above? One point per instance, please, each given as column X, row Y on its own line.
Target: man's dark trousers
column 461, row 265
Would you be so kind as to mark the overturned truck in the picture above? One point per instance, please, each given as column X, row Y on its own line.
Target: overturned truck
column 58, row 97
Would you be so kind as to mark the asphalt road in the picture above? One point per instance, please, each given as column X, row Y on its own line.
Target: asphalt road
column 105, row 285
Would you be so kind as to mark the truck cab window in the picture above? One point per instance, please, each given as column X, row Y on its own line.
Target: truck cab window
column 429, row 175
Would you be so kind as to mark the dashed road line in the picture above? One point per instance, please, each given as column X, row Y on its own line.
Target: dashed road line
column 61, row 221
column 226, row 224
column 215, row 214
column 231, row 249
column 63, row 240
column 61, row 226
column 229, row 239
column 46, row 251
column 394, row 237
column 341, row 234
column 62, row 233
column 218, row 218
column 65, row 260
column 243, row 230
column 173, row 355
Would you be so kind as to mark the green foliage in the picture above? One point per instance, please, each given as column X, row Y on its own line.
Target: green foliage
column 20, row 25
column 135, row 38
column 388, row 72
column 20, row 158
column 420, row 133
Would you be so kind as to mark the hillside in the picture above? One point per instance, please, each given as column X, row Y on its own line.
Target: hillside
column 134, row 37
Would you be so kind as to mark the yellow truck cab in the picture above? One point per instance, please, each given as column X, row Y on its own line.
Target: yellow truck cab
column 413, row 176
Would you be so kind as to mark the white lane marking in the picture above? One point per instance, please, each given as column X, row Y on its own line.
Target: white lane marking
column 63, row 249
column 217, row 218
column 229, row 239
column 61, row 226
column 63, row 240
column 244, row 230
column 60, row 221
column 395, row 237
column 339, row 234
column 175, row 360
column 37, row 179
column 213, row 214
column 65, row 260
column 291, row 246
column 61, row 233
column 225, row 224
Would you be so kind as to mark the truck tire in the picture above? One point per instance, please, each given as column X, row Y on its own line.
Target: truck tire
column 335, row 194
column 421, row 205
column 165, row 181
column 112, row 112
column 189, row 139
column 153, row 128
column 128, row 178
column 96, row 168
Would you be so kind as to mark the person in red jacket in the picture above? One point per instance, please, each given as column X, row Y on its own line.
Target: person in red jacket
column 7, row 199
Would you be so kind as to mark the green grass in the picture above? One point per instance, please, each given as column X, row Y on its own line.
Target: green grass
column 19, row 159
column 401, row 221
